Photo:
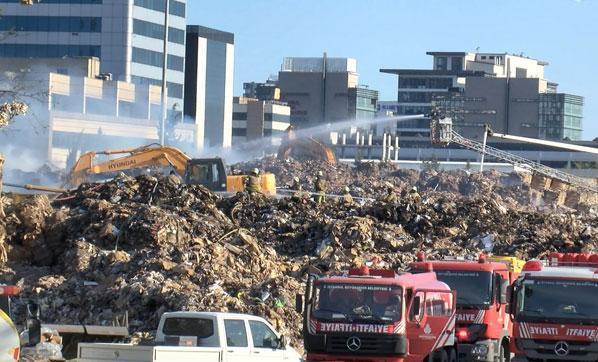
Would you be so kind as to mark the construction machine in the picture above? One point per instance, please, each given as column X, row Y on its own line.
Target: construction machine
column 209, row 172
column 303, row 148
column 442, row 132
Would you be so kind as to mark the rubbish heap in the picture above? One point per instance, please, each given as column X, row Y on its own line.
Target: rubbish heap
column 150, row 244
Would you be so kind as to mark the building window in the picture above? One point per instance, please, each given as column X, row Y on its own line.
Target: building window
column 176, row 8
column 67, row 24
column 239, row 116
column 175, row 90
column 240, row 132
column 268, row 117
column 456, row 63
column 441, row 63
column 49, row 50
column 156, row 31
column 149, row 57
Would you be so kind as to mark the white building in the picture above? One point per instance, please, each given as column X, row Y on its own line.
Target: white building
column 254, row 119
column 209, row 85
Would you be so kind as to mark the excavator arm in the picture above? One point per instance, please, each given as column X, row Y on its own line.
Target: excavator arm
column 147, row 156
column 304, row 148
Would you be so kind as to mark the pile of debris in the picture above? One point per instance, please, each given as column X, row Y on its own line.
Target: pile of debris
column 158, row 245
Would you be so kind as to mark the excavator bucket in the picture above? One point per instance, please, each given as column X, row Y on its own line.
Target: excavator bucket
column 304, row 148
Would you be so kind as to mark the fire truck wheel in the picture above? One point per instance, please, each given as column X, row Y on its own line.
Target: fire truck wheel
column 441, row 356
column 452, row 355
column 505, row 355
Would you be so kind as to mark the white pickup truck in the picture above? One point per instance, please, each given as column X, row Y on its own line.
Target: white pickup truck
column 200, row 336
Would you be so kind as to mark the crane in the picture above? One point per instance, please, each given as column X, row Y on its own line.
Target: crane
column 442, row 132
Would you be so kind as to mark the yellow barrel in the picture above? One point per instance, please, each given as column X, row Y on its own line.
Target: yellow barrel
column 235, row 183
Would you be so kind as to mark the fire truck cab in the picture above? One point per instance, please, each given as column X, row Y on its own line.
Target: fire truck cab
column 554, row 304
column 484, row 328
column 378, row 315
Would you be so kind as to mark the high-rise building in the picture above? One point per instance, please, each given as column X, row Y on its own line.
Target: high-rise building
column 209, row 85
column 507, row 92
column 126, row 35
column 317, row 89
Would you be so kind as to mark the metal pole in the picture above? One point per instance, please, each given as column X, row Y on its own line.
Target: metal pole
column 383, row 146
column 164, row 67
column 484, row 147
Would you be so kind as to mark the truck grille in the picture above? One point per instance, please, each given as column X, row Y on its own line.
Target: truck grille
column 370, row 344
column 545, row 350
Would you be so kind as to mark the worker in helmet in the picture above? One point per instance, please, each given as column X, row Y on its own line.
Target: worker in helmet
column 320, row 188
column 414, row 195
column 347, row 198
column 391, row 196
column 253, row 182
column 296, row 186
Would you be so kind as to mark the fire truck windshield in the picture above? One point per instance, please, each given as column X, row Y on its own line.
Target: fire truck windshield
column 357, row 302
column 559, row 299
column 474, row 288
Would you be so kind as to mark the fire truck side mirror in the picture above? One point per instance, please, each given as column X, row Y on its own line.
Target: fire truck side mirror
column 503, row 297
column 509, row 305
column 299, row 303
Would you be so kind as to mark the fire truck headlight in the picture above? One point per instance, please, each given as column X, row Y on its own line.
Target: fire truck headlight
column 479, row 350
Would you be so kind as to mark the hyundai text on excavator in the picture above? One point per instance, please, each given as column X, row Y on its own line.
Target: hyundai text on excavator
column 209, row 172
column 484, row 329
column 554, row 304
column 378, row 315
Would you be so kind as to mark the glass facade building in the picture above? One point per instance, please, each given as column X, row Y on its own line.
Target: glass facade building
column 125, row 34
column 561, row 116
column 362, row 103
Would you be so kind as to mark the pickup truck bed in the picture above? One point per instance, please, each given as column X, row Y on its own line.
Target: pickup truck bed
column 96, row 352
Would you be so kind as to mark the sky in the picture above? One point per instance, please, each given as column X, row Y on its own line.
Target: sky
column 397, row 34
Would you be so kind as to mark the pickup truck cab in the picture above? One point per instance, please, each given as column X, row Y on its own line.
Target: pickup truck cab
column 9, row 339
column 205, row 336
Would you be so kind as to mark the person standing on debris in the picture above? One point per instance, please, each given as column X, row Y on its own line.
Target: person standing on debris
column 320, row 188
column 414, row 195
column 347, row 198
column 253, row 184
column 296, row 186
column 391, row 196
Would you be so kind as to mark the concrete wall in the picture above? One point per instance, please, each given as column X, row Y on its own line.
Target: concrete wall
column 310, row 103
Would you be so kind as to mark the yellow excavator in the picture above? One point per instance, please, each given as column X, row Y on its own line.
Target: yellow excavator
column 209, row 172
column 304, row 148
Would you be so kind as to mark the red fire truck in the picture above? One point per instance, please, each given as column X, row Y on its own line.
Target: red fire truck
column 555, row 309
column 483, row 328
column 378, row 315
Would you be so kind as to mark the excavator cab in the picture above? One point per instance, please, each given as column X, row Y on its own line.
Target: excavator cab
column 209, row 172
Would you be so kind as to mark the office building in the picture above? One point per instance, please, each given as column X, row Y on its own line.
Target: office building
column 209, row 85
column 254, row 119
column 317, row 89
column 561, row 116
column 76, row 112
column 126, row 35
column 498, row 89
